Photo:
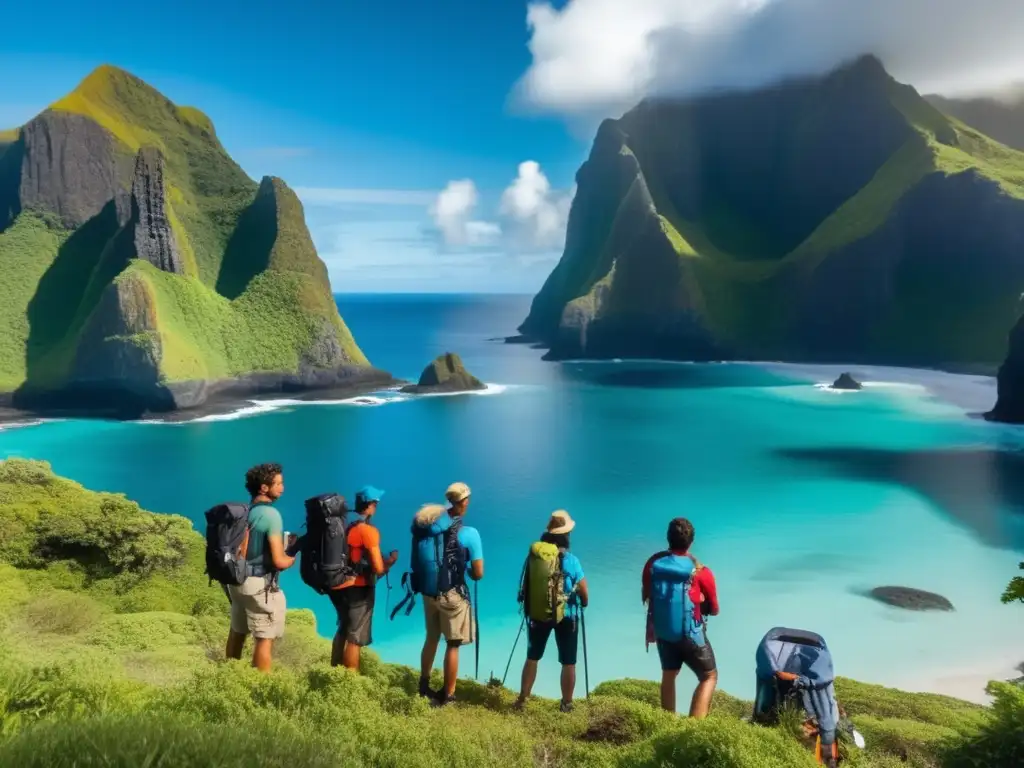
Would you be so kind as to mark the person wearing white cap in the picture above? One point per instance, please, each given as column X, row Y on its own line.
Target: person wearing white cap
column 547, row 558
column 446, row 603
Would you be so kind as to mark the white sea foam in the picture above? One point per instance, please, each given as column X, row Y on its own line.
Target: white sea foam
column 26, row 423
column 489, row 389
column 376, row 399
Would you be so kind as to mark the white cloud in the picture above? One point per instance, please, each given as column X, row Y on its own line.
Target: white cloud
column 452, row 212
column 600, row 56
column 537, row 213
column 335, row 196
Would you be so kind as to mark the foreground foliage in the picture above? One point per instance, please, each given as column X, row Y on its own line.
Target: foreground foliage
column 111, row 655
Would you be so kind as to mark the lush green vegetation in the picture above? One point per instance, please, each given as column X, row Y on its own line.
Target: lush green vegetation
column 111, row 655
column 255, row 245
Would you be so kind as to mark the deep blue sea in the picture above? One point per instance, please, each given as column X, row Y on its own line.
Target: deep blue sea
column 802, row 498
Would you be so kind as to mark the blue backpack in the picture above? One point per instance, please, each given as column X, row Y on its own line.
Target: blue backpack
column 438, row 562
column 670, row 607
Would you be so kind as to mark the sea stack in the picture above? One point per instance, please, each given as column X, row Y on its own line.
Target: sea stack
column 846, row 381
column 446, row 374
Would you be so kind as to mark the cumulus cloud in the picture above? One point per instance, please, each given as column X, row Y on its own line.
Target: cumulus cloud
column 537, row 213
column 600, row 56
column 452, row 213
column 531, row 216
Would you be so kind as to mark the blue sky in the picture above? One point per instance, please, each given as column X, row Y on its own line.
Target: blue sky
column 435, row 142
column 336, row 98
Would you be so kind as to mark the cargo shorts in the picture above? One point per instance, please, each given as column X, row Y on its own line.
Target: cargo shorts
column 450, row 615
column 257, row 610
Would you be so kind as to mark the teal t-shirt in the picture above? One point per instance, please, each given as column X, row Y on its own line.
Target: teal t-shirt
column 264, row 521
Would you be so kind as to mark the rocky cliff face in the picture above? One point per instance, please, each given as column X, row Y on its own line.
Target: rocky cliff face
column 1001, row 118
column 152, row 235
column 839, row 218
column 1009, row 406
column 70, row 166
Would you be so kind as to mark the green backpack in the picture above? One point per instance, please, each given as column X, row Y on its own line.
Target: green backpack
column 544, row 588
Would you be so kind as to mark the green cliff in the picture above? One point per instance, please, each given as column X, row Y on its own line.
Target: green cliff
column 143, row 267
column 840, row 218
column 1001, row 117
column 111, row 654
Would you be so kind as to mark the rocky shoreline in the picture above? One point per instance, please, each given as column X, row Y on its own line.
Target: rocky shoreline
column 186, row 401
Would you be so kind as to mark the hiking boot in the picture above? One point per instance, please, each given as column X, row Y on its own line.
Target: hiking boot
column 440, row 699
column 519, row 706
column 425, row 688
column 565, row 706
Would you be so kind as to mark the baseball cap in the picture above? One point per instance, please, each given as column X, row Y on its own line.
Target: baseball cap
column 457, row 492
column 368, row 494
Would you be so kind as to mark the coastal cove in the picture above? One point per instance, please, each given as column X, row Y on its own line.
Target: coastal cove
column 804, row 499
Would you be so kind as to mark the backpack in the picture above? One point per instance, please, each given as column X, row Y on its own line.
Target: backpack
column 544, row 596
column 670, row 608
column 227, row 528
column 438, row 560
column 324, row 557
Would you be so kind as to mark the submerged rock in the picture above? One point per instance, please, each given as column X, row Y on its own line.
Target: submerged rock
column 911, row 599
column 846, row 381
column 445, row 374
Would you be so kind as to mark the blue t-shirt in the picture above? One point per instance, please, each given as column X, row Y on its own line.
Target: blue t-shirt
column 469, row 538
column 573, row 571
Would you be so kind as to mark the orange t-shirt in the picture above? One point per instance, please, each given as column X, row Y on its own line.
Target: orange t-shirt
column 364, row 543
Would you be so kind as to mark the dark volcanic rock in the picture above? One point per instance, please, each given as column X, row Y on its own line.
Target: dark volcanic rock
column 153, row 237
column 69, row 166
column 911, row 599
column 1009, row 405
column 846, row 381
column 445, row 374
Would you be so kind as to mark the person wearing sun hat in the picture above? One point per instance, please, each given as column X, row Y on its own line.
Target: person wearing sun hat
column 354, row 600
column 446, row 604
column 566, row 627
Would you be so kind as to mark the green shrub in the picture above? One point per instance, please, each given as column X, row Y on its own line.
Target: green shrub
column 1000, row 740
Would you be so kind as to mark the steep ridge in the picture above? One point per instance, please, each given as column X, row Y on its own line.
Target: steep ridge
column 146, row 271
column 1001, row 118
column 840, row 218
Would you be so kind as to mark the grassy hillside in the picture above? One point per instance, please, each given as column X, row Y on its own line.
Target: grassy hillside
column 111, row 655
column 252, row 294
column 1001, row 118
column 856, row 222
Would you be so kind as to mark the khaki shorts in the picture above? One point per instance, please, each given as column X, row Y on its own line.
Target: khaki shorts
column 450, row 615
column 256, row 611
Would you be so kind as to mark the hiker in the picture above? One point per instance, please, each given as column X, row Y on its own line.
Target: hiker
column 442, row 548
column 552, row 591
column 354, row 599
column 258, row 604
column 680, row 593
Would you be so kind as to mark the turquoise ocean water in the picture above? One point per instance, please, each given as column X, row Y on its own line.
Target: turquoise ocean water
column 801, row 498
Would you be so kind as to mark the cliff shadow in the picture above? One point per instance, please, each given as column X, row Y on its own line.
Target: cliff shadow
column 63, row 287
column 655, row 375
column 973, row 486
column 248, row 250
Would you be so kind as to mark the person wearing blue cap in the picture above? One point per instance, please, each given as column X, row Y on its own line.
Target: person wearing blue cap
column 354, row 599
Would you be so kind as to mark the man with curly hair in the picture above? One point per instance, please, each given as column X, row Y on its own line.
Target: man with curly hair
column 258, row 605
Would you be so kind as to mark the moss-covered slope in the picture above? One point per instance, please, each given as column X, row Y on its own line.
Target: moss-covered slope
column 143, row 266
column 111, row 654
column 838, row 218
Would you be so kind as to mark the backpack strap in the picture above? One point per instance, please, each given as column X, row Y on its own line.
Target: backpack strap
column 408, row 601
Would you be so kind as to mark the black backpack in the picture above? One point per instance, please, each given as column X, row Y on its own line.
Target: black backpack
column 226, row 528
column 324, row 562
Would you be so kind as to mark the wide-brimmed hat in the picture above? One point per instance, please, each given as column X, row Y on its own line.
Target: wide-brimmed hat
column 457, row 492
column 560, row 522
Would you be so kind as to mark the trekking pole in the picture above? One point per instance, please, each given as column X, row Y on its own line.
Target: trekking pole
column 476, row 631
column 586, row 665
column 518, row 635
